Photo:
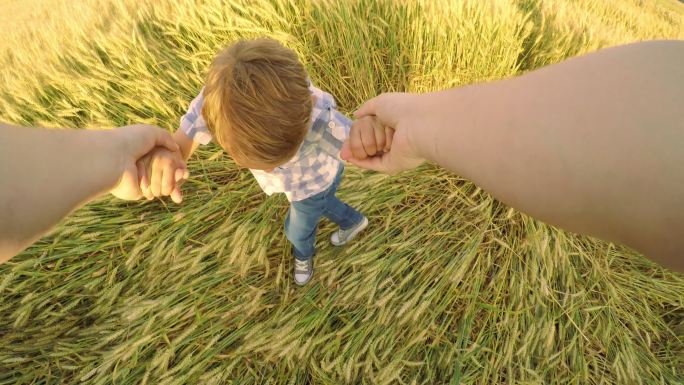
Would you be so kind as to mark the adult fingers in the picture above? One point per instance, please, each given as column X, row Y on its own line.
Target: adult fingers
column 140, row 139
column 382, row 107
column 163, row 138
column 369, row 107
column 389, row 137
column 379, row 163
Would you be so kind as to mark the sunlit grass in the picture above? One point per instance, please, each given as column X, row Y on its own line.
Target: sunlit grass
column 447, row 286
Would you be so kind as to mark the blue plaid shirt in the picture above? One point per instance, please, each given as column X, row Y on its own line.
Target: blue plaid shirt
column 313, row 169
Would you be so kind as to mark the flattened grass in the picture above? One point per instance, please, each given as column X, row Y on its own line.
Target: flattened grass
column 447, row 286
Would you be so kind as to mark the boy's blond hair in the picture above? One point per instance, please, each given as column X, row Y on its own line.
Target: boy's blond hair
column 257, row 102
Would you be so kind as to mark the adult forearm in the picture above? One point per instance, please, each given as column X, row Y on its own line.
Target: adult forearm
column 45, row 175
column 594, row 144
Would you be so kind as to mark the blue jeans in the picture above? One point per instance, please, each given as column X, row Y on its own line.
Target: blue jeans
column 302, row 219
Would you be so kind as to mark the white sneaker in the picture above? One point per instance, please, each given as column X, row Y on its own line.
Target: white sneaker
column 341, row 237
column 303, row 271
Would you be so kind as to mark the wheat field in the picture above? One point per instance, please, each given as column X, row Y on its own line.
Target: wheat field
column 447, row 286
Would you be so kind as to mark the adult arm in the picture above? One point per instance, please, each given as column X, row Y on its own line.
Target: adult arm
column 46, row 174
column 594, row 145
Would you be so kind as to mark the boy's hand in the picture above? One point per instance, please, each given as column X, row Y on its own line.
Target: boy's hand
column 381, row 139
column 132, row 143
column 161, row 173
column 369, row 137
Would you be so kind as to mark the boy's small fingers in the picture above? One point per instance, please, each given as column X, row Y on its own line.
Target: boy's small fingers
column 380, row 137
column 145, row 187
column 167, row 181
column 368, row 140
column 179, row 175
column 156, row 180
column 356, row 144
column 177, row 195
column 142, row 174
column 144, row 180
column 147, row 193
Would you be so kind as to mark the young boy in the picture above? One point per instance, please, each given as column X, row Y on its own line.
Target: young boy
column 259, row 105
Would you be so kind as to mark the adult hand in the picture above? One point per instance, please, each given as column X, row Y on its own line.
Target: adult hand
column 396, row 118
column 591, row 145
column 134, row 142
column 62, row 170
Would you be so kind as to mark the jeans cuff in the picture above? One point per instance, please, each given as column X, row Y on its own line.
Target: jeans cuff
column 299, row 256
column 356, row 222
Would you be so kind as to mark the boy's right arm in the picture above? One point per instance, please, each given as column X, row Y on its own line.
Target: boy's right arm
column 162, row 172
column 186, row 144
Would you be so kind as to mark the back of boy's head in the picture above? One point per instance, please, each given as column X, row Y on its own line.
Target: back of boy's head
column 257, row 102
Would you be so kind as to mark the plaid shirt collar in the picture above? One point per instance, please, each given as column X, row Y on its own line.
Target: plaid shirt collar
column 324, row 103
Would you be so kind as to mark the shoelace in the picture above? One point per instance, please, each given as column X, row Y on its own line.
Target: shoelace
column 302, row 266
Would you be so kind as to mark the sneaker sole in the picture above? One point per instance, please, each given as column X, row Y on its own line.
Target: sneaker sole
column 354, row 234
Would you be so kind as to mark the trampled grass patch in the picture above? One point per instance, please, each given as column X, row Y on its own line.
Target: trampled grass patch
column 447, row 286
